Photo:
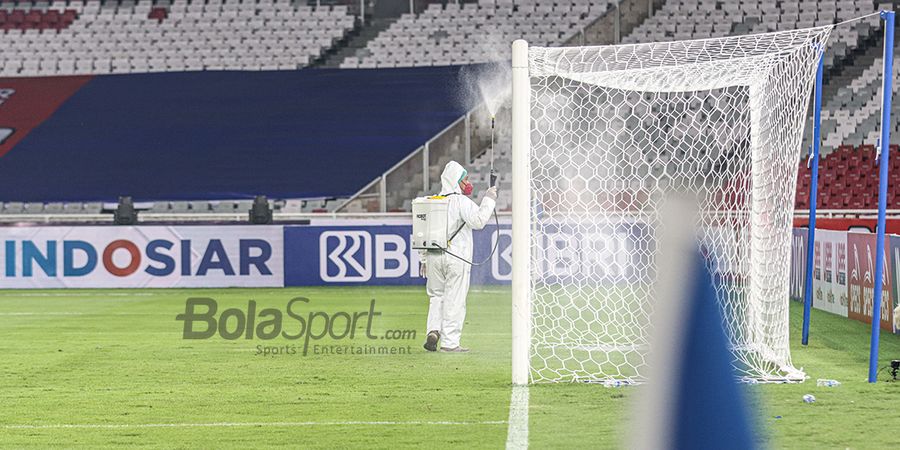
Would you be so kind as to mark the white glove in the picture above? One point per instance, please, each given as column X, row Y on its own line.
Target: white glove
column 491, row 193
column 422, row 271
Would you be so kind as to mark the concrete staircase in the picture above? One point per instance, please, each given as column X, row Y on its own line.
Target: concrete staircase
column 356, row 43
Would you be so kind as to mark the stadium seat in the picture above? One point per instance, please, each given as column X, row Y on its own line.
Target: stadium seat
column 110, row 38
column 431, row 37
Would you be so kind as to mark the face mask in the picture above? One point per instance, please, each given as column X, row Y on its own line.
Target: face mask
column 467, row 189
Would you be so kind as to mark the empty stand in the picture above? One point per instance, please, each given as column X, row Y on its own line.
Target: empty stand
column 848, row 179
column 698, row 19
column 853, row 115
column 113, row 37
column 474, row 33
column 99, row 38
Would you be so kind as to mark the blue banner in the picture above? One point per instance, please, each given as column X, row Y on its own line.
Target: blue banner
column 379, row 255
column 217, row 135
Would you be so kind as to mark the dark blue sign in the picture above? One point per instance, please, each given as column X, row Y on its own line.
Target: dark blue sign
column 379, row 255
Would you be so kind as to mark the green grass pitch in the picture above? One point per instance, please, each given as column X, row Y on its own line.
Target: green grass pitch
column 109, row 368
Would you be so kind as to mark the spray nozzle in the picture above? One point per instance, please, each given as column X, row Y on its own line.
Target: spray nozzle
column 492, row 122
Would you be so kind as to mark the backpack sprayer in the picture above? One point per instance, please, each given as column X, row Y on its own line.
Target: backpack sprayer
column 431, row 226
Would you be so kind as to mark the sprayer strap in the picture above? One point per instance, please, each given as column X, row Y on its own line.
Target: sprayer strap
column 456, row 232
column 460, row 227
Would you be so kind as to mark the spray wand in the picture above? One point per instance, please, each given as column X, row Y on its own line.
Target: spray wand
column 493, row 173
column 496, row 220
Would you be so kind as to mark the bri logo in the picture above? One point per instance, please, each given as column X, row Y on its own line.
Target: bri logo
column 121, row 258
column 353, row 256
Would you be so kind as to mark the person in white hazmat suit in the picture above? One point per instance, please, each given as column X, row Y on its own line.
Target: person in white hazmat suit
column 447, row 277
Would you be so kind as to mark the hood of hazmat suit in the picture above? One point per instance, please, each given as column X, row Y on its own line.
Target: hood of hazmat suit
column 451, row 176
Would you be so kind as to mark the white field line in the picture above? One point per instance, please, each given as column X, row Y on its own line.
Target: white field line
column 288, row 292
column 48, row 313
column 490, row 291
column 69, row 293
column 517, row 433
column 116, row 426
column 73, row 313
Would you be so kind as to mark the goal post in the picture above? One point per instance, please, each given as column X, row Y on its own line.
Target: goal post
column 887, row 93
column 521, row 210
column 601, row 137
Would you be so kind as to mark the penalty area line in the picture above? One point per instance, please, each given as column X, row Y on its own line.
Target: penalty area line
column 114, row 426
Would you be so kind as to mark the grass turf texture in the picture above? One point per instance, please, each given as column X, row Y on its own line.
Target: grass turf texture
column 117, row 357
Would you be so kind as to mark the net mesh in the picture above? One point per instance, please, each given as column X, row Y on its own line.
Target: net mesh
column 617, row 129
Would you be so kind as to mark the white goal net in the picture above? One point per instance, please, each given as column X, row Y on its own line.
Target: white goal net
column 614, row 130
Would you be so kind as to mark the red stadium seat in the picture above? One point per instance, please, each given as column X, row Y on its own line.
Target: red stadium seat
column 17, row 16
column 50, row 17
column 33, row 17
column 159, row 14
column 849, row 178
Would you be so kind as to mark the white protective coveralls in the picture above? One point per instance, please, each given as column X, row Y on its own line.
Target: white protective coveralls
column 448, row 277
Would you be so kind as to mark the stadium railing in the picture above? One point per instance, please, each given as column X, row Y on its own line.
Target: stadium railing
column 420, row 170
